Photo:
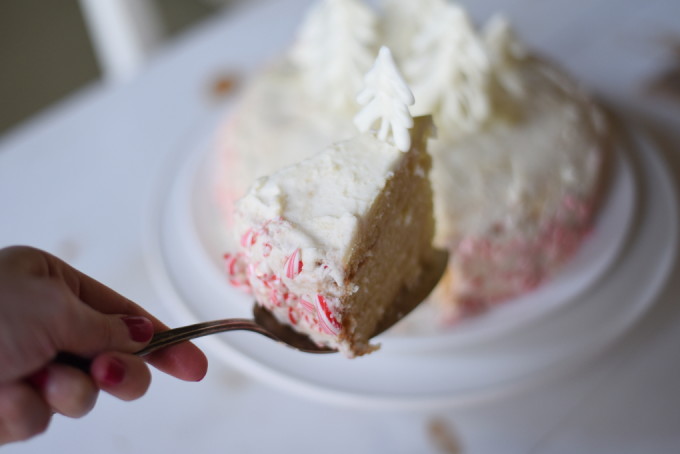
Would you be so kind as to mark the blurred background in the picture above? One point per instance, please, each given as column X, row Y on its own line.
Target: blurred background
column 63, row 39
column 55, row 51
column 51, row 49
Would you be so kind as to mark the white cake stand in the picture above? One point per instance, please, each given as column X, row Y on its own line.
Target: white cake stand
column 609, row 284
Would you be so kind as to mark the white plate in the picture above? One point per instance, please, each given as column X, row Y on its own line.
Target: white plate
column 188, row 274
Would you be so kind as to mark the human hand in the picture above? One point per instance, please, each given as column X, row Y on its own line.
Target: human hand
column 46, row 307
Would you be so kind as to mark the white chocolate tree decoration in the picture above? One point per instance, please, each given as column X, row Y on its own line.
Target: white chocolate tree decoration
column 386, row 98
column 335, row 49
column 402, row 20
column 506, row 52
column 450, row 70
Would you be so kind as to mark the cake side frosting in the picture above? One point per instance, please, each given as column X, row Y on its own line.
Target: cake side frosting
column 525, row 194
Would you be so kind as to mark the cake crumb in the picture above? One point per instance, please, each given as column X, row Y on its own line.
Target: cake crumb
column 223, row 85
column 443, row 435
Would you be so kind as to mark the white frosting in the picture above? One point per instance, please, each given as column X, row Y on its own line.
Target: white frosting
column 479, row 179
column 386, row 98
column 507, row 53
column 458, row 75
column 273, row 128
column 450, row 70
column 402, row 20
column 516, row 175
column 344, row 180
column 310, row 214
column 334, row 49
column 553, row 135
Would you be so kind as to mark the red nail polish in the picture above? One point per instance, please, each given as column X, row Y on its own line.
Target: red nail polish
column 114, row 374
column 39, row 379
column 141, row 329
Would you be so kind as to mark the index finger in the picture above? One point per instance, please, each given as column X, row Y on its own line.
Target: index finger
column 184, row 361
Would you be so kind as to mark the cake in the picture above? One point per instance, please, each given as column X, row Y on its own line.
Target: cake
column 328, row 243
column 520, row 153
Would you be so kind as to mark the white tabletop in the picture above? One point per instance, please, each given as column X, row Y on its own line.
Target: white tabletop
column 77, row 181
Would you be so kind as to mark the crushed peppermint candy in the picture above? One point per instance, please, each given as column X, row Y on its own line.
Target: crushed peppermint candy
column 327, row 320
column 293, row 264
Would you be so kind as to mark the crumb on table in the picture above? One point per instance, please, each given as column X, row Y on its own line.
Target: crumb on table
column 443, row 436
column 223, row 85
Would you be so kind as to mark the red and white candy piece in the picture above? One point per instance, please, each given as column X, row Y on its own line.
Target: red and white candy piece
column 249, row 238
column 291, row 316
column 293, row 265
column 235, row 268
column 230, row 262
column 327, row 321
column 307, row 306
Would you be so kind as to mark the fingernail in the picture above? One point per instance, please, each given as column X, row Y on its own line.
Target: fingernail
column 114, row 373
column 39, row 379
column 141, row 329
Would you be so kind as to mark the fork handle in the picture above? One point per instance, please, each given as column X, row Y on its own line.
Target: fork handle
column 176, row 335
column 173, row 336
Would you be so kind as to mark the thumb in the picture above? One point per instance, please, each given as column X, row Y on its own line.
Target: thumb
column 89, row 332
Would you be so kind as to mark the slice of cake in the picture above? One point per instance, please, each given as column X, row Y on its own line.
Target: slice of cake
column 327, row 244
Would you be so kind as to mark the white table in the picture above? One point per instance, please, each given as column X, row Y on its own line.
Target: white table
column 77, row 181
